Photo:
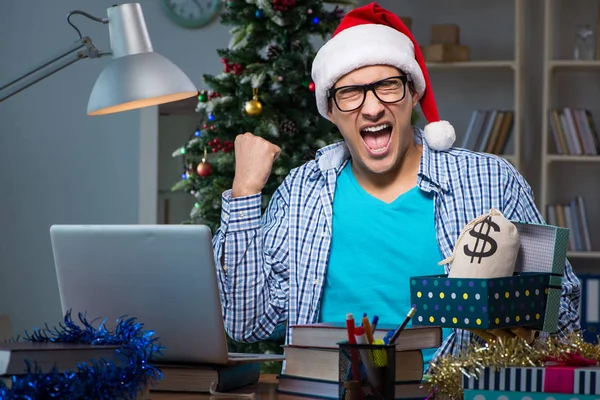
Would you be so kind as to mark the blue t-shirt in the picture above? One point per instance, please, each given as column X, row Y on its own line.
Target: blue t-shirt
column 375, row 248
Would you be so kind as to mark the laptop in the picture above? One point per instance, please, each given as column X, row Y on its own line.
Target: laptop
column 163, row 275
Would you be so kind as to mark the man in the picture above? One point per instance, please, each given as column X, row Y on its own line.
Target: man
column 344, row 232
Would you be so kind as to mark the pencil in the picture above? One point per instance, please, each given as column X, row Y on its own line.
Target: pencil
column 367, row 327
column 396, row 334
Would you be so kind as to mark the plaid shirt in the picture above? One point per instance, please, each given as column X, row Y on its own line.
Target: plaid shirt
column 275, row 264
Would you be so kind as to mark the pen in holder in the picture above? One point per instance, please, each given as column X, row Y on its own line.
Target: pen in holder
column 377, row 363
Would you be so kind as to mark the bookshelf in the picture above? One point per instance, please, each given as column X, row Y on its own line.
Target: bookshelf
column 496, row 66
column 570, row 159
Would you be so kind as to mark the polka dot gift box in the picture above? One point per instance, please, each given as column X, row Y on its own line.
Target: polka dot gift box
column 480, row 303
column 530, row 297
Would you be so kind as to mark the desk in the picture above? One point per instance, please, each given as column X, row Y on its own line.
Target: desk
column 263, row 390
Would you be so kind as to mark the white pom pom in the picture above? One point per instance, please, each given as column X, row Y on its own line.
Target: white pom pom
column 439, row 135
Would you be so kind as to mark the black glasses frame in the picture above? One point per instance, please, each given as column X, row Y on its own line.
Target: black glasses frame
column 366, row 88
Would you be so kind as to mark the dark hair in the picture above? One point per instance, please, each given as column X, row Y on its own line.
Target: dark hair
column 411, row 88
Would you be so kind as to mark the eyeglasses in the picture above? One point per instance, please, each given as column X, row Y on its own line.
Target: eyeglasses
column 388, row 90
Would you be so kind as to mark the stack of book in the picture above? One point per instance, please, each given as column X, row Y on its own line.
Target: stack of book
column 48, row 356
column 312, row 360
column 196, row 378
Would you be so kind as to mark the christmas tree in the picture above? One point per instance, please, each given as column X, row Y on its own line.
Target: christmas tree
column 265, row 89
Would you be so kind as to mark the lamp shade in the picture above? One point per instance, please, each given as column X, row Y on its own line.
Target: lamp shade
column 136, row 76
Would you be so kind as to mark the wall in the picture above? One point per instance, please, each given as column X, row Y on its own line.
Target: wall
column 174, row 131
column 57, row 165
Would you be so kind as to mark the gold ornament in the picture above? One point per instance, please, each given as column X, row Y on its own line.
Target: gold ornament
column 253, row 107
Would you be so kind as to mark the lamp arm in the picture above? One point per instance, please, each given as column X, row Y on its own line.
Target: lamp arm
column 82, row 48
column 78, row 12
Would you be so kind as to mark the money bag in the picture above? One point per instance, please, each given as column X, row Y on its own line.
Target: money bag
column 486, row 248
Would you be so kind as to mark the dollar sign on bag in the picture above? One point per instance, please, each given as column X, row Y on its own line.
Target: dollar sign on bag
column 485, row 238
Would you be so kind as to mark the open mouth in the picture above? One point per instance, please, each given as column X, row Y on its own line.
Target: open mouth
column 377, row 138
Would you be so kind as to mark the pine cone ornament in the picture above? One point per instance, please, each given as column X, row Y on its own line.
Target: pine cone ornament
column 273, row 52
column 288, row 127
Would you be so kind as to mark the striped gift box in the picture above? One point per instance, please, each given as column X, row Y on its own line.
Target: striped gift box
column 587, row 380
column 531, row 379
column 500, row 395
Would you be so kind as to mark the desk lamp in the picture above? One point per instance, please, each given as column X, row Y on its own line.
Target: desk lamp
column 136, row 77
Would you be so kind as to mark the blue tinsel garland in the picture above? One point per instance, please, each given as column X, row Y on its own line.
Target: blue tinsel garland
column 96, row 379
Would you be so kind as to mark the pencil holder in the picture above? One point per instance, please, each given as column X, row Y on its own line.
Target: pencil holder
column 367, row 372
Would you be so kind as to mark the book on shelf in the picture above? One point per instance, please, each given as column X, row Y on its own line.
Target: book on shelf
column 327, row 389
column 47, row 356
column 329, row 334
column 589, row 306
column 488, row 131
column 573, row 216
column 574, row 131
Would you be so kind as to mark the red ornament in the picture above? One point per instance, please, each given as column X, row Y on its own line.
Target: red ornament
column 311, row 86
column 204, row 169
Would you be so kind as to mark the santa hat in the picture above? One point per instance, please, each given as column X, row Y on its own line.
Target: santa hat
column 371, row 35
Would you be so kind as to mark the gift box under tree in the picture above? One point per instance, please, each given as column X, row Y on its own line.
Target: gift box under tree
column 531, row 297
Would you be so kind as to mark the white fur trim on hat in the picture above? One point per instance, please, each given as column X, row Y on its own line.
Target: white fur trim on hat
column 439, row 135
column 359, row 46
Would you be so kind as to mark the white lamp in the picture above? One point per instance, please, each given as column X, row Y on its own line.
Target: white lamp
column 136, row 77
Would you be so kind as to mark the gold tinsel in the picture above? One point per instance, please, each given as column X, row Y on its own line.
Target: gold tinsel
column 445, row 373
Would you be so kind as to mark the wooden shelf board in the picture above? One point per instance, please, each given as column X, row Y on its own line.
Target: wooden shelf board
column 583, row 254
column 574, row 64
column 571, row 158
column 472, row 64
